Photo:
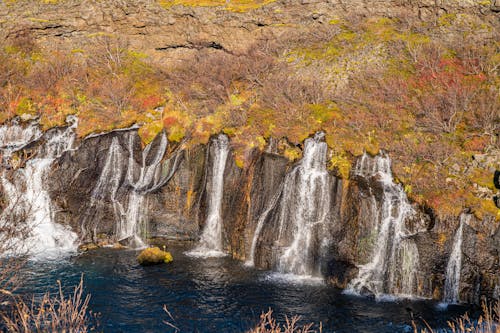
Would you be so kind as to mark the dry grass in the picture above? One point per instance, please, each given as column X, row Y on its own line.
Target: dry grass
column 268, row 324
column 489, row 322
column 51, row 314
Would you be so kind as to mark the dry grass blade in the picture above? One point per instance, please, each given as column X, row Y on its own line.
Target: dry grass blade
column 51, row 314
column 171, row 318
column 268, row 324
column 488, row 322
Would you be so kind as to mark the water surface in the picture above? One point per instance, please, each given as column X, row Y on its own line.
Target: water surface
column 214, row 295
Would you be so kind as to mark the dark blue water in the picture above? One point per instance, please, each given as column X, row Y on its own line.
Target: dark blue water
column 213, row 295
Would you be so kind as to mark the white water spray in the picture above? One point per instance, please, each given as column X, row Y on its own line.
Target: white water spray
column 151, row 176
column 394, row 261
column 14, row 137
column 211, row 244
column 28, row 198
column 304, row 222
column 454, row 267
column 106, row 188
column 136, row 177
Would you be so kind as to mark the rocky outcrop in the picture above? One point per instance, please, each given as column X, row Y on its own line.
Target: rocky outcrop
column 171, row 33
column 90, row 188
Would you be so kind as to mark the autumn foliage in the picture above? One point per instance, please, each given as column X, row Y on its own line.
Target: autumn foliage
column 371, row 84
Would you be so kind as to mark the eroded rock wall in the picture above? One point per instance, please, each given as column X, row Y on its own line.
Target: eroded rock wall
column 177, row 212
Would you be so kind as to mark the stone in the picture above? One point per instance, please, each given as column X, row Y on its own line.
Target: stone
column 88, row 247
column 154, row 256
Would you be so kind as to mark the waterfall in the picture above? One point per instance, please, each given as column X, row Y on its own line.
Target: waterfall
column 14, row 137
column 305, row 210
column 394, row 261
column 151, row 175
column 303, row 215
column 28, row 199
column 106, row 188
column 126, row 180
column 454, row 267
column 211, row 244
column 260, row 224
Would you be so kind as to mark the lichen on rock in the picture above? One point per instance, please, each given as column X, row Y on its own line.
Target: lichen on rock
column 154, row 256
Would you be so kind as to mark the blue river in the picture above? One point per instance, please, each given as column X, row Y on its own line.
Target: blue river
column 215, row 295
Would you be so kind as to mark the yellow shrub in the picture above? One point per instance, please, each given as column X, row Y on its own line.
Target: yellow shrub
column 153, row 256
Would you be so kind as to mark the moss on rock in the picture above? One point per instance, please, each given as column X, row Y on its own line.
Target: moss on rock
column 154, row 256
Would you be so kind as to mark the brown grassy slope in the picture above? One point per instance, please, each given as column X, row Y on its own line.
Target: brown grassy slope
column 425, row 91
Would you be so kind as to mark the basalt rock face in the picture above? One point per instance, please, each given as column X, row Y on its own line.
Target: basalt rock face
column 90, row 187
column 268, row 173
column 481, row 263
column 75, row 175
column 171, row 33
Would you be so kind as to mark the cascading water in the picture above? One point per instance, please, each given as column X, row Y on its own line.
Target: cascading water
column 211, row 244
column 454, row 267
column 151, row 176
column 304, row 219
column 305, row 211
column 28, row 199
column 260, row 224
column 137, row 179
column 14, row 137
column 106, row 188
column 394, row 261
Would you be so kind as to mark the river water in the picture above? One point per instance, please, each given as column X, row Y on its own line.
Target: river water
column 214, row 295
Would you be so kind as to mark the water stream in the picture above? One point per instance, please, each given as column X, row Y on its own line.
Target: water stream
column 394, row 261
column 454, row 266
column 29, row 202
column 211, row 243
column 140, row 175
column 304, row 221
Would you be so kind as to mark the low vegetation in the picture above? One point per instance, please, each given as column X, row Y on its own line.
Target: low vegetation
column 233, row 5
column 489, row 322
column 57, row 313
column 268, row 324
column 153, row 256
column 426, row 93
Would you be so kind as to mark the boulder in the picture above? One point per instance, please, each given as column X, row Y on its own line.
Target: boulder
column 154, row 256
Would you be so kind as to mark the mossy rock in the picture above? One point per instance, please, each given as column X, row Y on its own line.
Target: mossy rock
column 88, row 247
column 154, row 256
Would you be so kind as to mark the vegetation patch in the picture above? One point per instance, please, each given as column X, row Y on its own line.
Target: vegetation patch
column 371, row 84
column 154, row 256
column 232, row 5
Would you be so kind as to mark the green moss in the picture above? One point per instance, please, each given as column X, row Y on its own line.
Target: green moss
column 324, row 112
column 293, row 153
column 26, row 107
column 447, row 20
column 234, row 5
column 38, row 20
column 176, row 133
column 149, row 131
column 483, row 178
column 341, row 162
column 154, row 256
